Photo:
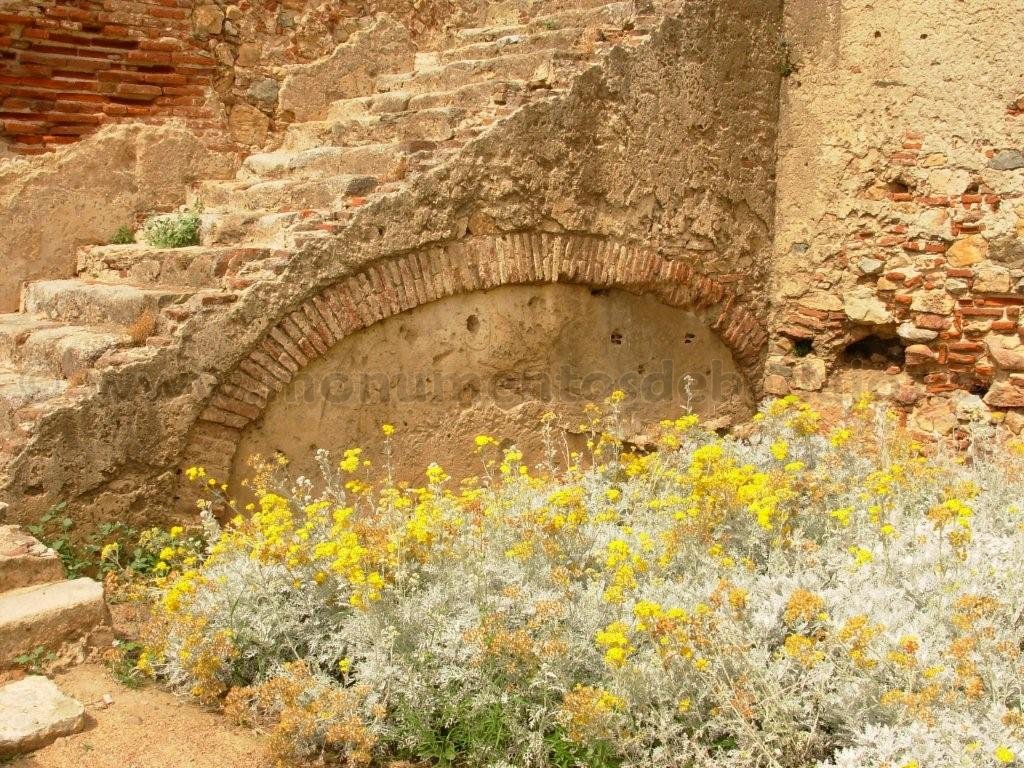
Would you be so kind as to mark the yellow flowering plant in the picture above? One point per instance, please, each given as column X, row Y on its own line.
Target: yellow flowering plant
column 808, row 594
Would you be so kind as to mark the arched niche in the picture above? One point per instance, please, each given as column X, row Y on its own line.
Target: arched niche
column 494, row 361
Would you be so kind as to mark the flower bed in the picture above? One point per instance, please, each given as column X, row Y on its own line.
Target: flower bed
column 795, row 597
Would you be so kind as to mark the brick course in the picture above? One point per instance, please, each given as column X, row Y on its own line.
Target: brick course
column 66, row 68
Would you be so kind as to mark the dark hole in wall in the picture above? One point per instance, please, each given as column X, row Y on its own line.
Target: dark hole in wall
column 898, row 186
column 803, row 347
column 873, row 353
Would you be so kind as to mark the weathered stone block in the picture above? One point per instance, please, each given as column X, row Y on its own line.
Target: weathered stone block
column 34, row 713
column 970, row 250
column 49, row 615
column 24, row 561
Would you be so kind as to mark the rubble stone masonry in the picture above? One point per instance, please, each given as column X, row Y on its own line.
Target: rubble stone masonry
column 899, row 247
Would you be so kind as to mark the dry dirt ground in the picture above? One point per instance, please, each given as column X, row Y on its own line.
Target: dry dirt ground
column 144, row 728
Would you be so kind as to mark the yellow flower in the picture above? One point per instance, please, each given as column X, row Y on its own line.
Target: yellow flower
column 166, row 553
column 109, row 551
column 840, row 438
column 436, row 475
column 350, row 461
column 1004, row 755
column 175, row 531
column 861, row 556
column 780, row 450
column 344, row 665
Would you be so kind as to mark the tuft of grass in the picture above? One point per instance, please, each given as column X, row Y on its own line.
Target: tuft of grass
column 787, row 64
column 143, row 327
column 125, row 235
column 177, row 230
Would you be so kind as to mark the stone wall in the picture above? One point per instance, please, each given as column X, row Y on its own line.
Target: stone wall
column 68, row 67
column 657, row 167
column 900, row 223
column 487, row 362
column 52, row 204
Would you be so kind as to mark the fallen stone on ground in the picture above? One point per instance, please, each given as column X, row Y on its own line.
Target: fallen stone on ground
column 34, row 713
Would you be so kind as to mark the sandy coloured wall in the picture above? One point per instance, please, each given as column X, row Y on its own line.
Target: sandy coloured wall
column 901, row 200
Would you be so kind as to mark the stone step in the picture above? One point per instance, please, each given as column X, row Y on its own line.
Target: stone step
column 265, row 229
column 380, row 160
column 600, row 16
column 438, row 124
column 34, row 713
column 24, row 561
column 282, row 194
column 537, row 67
column 81, row 301
column 199, row 266
column 516, row 42
column 273, row 230
column 49, row 615
column 42, row 346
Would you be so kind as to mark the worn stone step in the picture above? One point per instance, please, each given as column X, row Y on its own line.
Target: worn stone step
column 34, row 713
column 380, row 160
column 438, row 124
column 283, row 194
column 515, row 42
column 266, row 229
column 599, row 15
column 538, row 66
column 40, row 345
column 25, row 561
column 201, row 266
column 49, row 615
column 273, row 230
column 81, row 301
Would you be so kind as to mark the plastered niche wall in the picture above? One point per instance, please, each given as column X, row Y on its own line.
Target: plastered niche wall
column 494, row 362
column 898, row 245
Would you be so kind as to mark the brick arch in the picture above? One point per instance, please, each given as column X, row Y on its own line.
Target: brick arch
column 400, row 283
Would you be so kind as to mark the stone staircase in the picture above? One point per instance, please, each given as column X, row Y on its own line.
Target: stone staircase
column 129, row 301
column 40, row 611
column 39, row 608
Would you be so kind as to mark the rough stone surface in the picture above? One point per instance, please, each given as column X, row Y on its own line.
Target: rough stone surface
column 51, row 205
column 967, row 252
column 533, row 198
column 861, row 306
column 24, row 561
column 34, row 713
column 351, row 70
column 809, row 374
column 49, row 615
column 1008, row 160
column 899, row 169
